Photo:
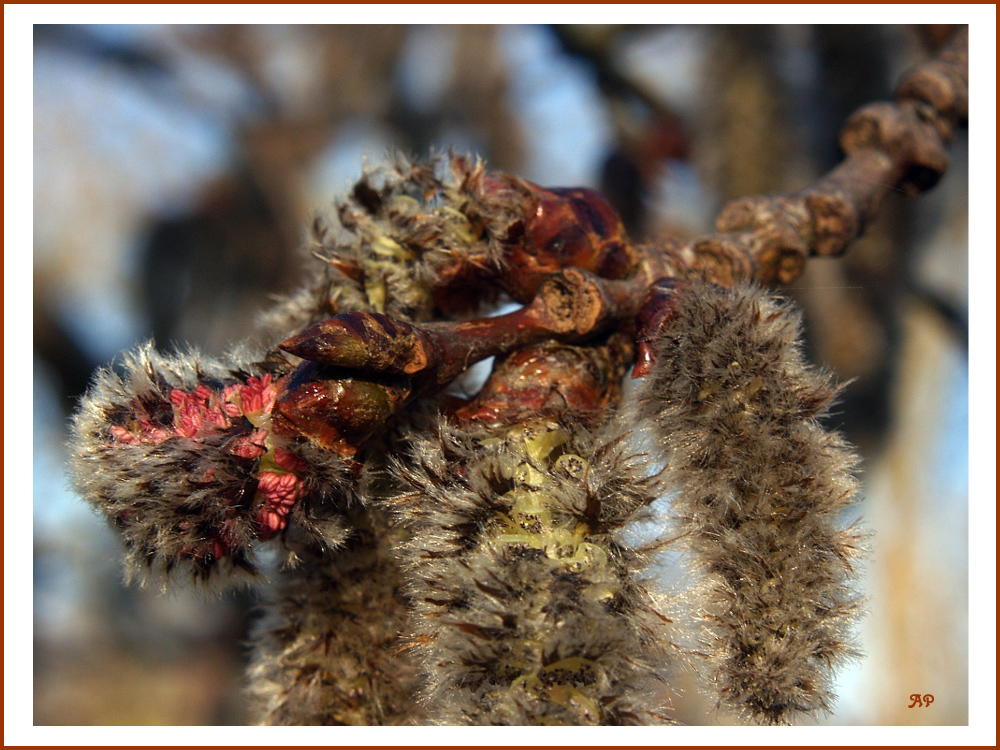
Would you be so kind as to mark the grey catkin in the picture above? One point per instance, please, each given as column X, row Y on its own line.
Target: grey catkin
column 187, row 500
column 329, row 649
column 411, row 240
column 482, row 565
column 529, row 608
column 761, row 493
column 166, row 497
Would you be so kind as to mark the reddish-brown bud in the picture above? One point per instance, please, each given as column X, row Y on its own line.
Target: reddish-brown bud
column 658, row 309
column 363, row 341
column 338, row 414
column 549, row 380
column 566, row 227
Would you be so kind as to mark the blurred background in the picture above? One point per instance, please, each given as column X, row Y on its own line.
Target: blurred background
column 176, row 167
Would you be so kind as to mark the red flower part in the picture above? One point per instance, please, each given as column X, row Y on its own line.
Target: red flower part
column 195, row 414
column 154, row 435
column 217, row 417
column 289, row 460
column 121, row 435
column 280, row 490
column 148, row 433
column 257, row 395
column 231, row 400
column 270, row 522
column 267, row 481
column 219, row 549
column 280, row 493
column 252, row 445
column 187, row 425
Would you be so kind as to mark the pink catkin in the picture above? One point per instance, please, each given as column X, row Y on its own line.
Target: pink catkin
column 201, row 412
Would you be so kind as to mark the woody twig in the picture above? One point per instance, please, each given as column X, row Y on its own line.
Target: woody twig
column 898, row 145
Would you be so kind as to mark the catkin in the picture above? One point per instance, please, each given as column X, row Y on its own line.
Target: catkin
column 154, row 451
column 413, row 240
column 528, row 607
column 761, row 493
column 327, row 651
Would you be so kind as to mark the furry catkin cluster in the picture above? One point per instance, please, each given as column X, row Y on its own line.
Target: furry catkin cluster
column 527, row 606
column 475, row 570
column 761, row 492
column 176, row 452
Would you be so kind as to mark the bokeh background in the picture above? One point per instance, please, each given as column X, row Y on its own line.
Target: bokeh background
column 176, row 167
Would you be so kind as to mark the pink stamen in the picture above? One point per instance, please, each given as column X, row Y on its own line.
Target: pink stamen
column 289, row 461
column 278, row 489
column 154, row 435
column 270, row 522
column 258, row 395
column 218, row 418
column 280, row 493
column 219, row 549
column 203, row 411
column 121, row 435
column 252, row 445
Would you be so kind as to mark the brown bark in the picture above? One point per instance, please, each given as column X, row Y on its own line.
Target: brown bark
column 888, row 146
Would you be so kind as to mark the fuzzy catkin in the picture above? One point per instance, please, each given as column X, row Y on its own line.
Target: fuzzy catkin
column 410, row 241
column 328, row 651
column 761, row 492
column 528, row 608
column 184, row 496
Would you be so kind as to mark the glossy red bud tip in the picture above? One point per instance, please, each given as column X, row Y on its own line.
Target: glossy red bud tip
column 364, row 341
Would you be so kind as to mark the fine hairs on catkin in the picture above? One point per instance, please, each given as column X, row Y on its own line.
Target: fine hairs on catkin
column 175, row 452
column 761, row 490
column 409, row 241
column 176, row 462
column 528, row 606
column 328, row 650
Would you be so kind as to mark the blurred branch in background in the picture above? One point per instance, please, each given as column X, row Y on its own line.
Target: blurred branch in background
column 176, row 168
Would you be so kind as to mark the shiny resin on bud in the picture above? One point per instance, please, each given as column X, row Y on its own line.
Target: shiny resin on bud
column 566, row 227
column 369, row 342
column 337, row 414
column 549, row 379
column 658, row 309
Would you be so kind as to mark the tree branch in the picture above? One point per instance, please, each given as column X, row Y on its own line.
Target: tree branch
column 889, row 146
